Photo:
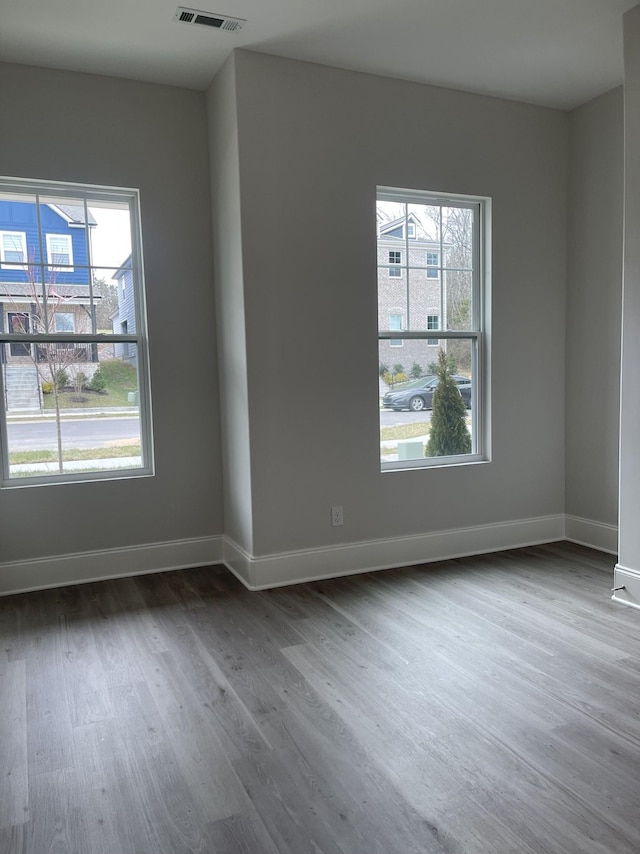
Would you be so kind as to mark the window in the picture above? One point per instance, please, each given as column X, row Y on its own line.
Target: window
column 64, row 321
column 18, row 323
column 433, row 322
column 458, row 229
column 411, row 230
column 395, row 323
column 433, row 260
column 56, row 365
column 13, row 249
column 395, row 258
column 59, row 251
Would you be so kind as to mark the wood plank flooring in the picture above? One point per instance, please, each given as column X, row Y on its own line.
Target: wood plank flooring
column 489, row 705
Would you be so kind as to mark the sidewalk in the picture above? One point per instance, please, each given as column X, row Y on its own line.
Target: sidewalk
column 49, row 415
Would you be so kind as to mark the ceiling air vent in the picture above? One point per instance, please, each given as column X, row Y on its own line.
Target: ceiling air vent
column 208, row 19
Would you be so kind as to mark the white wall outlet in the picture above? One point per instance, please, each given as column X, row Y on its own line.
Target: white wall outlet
column 337, row 517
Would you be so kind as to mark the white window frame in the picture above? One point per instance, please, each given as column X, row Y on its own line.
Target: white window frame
column 433, row 342
column 59, row 315
column 433, row 269
column 13, row 265
column 56, row 265
column 411, row 230
column 478, row 334
column 396, row 342
column 32, row 191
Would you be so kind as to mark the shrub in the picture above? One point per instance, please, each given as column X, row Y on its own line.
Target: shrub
column 47, row 388
column 61, row 378
column 392, row 379
column 416, row 371
column 80, row 381
column 452, row 365
column 119, row 373
column 97, row 382
column 449, row 432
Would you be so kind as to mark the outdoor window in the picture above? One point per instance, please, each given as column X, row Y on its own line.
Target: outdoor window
column 395, row 257
column 411, row 230
column 433, row 322
column 433, row 399
column 395, row 323
column 59, row 251
column 13, row 248
column 64, row 321
column 74, row 381
column 433, row 259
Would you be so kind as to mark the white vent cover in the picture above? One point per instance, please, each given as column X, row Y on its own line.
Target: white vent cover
column 208, row 19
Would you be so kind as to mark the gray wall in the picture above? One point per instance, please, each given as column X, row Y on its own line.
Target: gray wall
column 313, row 143
column 227, row 232
column 74, row 127
column 629, row 532
column 594, row 297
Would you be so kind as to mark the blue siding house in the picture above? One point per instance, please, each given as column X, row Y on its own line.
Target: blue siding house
column 124, row 319
column 64, row 253
column 44, row 286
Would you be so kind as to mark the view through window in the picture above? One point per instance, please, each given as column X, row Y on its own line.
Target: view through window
column 431, row 276
column 74, row 385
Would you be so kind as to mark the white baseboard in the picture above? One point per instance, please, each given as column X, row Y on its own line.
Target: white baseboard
column 626, row 586
column 596, row 535
column 277, row 570
column 61, row 570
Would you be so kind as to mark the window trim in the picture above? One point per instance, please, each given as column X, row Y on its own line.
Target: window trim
column 433, row 342
column 393, row 342
column 13, row 265
column 479, row 334
column 60, row 314
column 56, row 265
column 90, row 193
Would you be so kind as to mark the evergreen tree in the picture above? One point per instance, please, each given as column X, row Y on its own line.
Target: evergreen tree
column 449, row 433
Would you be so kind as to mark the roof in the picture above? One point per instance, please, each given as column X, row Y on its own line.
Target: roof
column 24, row 291
column 392, row 224
column 74, row 214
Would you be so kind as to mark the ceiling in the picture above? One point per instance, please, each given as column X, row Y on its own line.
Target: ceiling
column 557, row 53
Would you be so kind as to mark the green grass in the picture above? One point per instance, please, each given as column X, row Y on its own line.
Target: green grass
column 404, row 431
column 84, row 471
column 70, row 454
column 120, row 379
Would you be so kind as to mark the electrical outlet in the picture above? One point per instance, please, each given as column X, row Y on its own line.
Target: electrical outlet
column 337, row 517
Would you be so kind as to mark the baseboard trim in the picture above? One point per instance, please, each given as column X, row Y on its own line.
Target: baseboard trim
column 296, row 567
column 279, row 570
column 26, row 575
column 596, row 535
column 629, row 579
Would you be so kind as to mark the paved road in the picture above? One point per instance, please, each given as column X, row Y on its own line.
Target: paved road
column 81, row 433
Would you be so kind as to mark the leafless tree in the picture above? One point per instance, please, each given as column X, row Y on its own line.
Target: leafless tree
column 53, row 360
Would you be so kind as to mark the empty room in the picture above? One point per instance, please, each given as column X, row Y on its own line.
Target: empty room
column 319, row 478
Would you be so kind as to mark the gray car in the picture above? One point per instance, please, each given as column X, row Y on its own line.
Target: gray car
column 418, row 395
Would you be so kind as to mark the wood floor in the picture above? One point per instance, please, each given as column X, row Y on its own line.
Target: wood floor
column 480, row 706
